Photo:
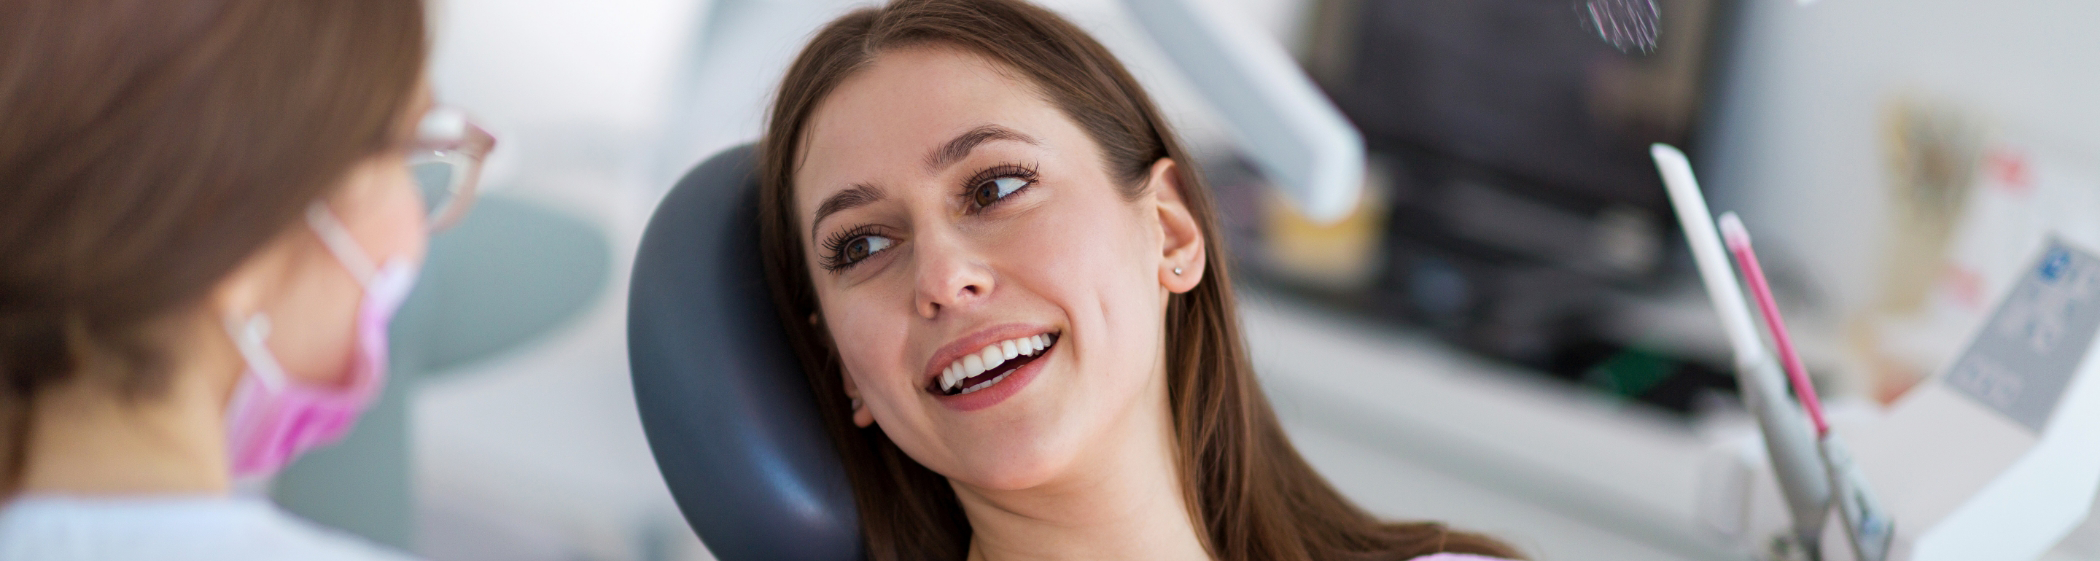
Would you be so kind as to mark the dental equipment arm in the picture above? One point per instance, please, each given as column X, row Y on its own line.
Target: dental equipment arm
column 1293, row 134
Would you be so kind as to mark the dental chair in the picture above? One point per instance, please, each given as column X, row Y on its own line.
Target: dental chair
column 727, row 411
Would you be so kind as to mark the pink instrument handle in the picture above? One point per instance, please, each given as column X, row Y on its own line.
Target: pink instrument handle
column 1738, row 240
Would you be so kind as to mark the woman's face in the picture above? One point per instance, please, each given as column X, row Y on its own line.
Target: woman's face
column 314, row 316
column 311, row 298
column 950, row 210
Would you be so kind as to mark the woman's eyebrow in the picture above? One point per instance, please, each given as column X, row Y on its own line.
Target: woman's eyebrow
column 954, row 150
column 861, row 194
column 961, row 146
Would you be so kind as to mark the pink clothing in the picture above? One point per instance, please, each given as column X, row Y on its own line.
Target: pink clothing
column 1455, row 557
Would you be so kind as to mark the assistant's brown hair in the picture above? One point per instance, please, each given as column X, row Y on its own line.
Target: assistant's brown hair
column 147, row 147
column 1253, row 496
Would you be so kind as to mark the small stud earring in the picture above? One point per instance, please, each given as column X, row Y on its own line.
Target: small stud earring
column 1177, row 270
column 856, row 404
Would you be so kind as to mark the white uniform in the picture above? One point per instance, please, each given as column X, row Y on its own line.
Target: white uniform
column 170, row 528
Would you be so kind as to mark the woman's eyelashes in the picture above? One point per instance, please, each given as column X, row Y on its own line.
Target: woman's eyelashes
column 847, row 248
column 994, row 185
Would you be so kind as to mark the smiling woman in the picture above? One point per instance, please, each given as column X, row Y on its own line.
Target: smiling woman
column 1003, row 279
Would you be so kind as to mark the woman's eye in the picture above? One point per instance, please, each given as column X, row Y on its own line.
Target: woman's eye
column 863, row 247
column 990, row 192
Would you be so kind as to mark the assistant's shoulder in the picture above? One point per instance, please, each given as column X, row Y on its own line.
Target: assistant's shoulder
column 170, row 528
column 290, row 537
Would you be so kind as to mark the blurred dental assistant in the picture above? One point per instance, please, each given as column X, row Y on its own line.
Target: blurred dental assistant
column 209, row 210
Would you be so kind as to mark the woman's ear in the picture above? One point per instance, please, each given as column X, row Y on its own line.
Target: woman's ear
column 1182, row 253
column 862, row 417
column 249, row 287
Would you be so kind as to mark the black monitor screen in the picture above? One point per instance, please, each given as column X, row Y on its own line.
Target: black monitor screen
column 1530, row 88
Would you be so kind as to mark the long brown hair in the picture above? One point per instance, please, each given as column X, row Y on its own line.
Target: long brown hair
column 1254, row 496
column 148, row 147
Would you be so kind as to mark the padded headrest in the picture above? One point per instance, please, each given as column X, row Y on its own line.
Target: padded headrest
column 725, row 405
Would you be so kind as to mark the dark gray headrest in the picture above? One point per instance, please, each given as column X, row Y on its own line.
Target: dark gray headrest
column 727, row 410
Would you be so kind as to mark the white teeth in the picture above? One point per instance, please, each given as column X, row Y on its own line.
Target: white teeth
column 972, row 365
column 990, row 357
column 994, row 380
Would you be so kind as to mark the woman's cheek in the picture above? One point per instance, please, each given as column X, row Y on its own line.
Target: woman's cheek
column 1063, row 244
column 867, row 342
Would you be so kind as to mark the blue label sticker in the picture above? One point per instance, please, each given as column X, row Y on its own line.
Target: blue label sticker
column 2053, row 264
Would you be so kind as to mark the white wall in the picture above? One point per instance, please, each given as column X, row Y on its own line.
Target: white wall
column 1797, row 149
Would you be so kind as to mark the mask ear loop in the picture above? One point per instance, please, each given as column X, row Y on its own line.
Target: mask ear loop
column 339, row 242
column 251, row 338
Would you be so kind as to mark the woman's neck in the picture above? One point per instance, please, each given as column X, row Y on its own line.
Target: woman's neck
column 1126, row 503
column 86, row 438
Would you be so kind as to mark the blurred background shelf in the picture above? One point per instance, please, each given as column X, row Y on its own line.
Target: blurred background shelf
column 1416, row 429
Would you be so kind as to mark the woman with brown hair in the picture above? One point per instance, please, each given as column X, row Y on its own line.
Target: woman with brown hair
column 1006, row 283
column 207, row 216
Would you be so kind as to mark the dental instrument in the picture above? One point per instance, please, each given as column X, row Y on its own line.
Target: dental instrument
column 1787, row 436
column 1867, row 524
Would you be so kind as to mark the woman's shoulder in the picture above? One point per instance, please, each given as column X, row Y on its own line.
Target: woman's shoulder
column 1455, row 557
column 170, row 528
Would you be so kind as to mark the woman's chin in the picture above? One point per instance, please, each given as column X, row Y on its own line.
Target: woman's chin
column 1009, row 476
column 1018, row 460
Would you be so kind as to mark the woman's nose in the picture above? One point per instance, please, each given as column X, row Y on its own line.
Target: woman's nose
column 950, row 275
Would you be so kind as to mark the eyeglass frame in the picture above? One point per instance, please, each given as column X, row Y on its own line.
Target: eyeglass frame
column 447, row 135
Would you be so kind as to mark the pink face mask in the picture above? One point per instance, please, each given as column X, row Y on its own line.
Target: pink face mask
column 272, row 418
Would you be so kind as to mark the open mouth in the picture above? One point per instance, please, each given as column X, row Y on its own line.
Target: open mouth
column 988, row 366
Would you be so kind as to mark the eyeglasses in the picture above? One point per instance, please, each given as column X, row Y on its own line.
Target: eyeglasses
column 446, row 164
